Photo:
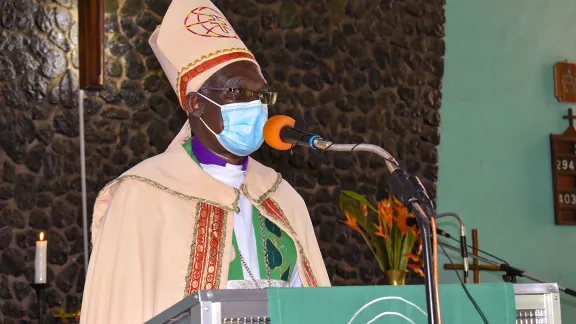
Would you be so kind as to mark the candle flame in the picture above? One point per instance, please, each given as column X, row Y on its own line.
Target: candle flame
column 41, row 236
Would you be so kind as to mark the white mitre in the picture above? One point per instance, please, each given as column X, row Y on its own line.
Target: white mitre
column 194, row 41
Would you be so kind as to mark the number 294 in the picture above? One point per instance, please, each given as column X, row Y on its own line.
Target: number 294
column 565, row 165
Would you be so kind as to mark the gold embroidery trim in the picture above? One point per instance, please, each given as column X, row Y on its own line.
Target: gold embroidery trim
column 222, row 248
column 205, row 58
column 192, row 250
column 157, row 185
column 264, row 196
column 207, row 248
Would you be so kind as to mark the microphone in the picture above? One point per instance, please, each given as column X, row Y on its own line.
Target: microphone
column 429, row 208
column 282, row 133
column 463, row 244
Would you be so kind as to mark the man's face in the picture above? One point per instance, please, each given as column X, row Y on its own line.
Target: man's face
column 242, row 76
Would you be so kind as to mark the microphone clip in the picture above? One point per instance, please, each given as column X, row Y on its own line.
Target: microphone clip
column 402, row 187
column 422, row 196
column 511, row 273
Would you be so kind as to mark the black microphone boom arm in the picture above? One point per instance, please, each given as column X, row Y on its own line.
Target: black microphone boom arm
column 406, row 192
column 508, row 269
column 402, row 187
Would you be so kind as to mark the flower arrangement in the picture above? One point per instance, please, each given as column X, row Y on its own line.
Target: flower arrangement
column 385, row 230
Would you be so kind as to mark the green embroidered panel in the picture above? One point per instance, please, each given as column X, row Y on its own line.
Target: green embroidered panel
column 281, row 250
column 282, row 253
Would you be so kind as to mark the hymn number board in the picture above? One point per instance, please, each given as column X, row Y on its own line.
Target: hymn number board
column 563, row 151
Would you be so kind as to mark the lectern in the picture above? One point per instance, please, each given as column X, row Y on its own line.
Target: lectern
column 358, row 304
column 218, row 306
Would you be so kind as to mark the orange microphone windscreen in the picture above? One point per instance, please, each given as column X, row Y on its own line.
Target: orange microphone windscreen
column 272, row 130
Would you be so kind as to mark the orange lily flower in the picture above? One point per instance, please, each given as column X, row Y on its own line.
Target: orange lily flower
column 380, row 230
column 351, row 222
column 385, row 213
column 416, row 268
column 413, row 257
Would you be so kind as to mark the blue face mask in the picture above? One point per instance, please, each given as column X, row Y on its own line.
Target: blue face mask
column 243, row 126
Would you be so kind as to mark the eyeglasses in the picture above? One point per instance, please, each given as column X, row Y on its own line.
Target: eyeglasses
column 245, row 95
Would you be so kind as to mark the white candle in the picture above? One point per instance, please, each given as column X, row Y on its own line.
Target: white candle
column 40, row 260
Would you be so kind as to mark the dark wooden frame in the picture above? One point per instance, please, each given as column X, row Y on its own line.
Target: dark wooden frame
column 563, row 147
column 91, row 43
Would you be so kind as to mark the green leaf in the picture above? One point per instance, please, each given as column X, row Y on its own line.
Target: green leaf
column 285, row 274
column 360, row 198
column 273, row 228
column 274, row 256
column 380, row 251
column 352, row 206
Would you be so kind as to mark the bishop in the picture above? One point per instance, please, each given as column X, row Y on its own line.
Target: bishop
column 203, row 214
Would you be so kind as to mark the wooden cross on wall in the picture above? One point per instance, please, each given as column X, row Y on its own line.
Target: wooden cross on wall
column 476, row 267
column 570, row 117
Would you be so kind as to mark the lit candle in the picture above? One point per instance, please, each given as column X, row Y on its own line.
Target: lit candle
column 40, row 260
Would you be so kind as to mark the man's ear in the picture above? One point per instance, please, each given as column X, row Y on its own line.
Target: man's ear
column 192, row 107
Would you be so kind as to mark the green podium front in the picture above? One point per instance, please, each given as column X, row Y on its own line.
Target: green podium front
column 390, row 304
column 357, row 304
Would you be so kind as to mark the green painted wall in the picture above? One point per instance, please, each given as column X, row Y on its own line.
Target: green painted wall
column 498, row 109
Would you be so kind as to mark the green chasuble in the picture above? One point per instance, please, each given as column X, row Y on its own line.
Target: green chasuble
column 281, row 249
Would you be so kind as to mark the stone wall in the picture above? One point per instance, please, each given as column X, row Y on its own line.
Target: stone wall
column 39, row 155
column 358, row 70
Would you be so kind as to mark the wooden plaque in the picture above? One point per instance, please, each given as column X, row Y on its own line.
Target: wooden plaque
column 563, row 152
column 565, row 81
column 91, row 43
